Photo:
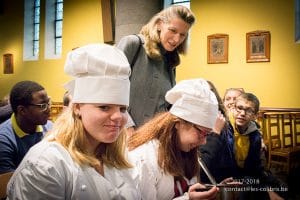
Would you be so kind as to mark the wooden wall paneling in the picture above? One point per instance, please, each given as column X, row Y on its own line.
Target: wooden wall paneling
column 108, row 17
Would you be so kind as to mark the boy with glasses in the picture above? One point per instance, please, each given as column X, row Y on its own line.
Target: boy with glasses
column 236, row 151
column 27, row 125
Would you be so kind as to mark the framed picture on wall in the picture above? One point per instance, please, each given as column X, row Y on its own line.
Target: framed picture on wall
column 258, row 46
column 8, row 65
column 217, row 48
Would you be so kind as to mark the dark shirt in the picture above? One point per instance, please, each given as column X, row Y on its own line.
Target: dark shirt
column 219, row 155
column 14, row 146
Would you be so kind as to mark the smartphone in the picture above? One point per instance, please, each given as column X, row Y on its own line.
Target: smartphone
column 209, row 186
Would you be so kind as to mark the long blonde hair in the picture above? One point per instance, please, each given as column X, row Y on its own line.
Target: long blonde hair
column 68, row 130
column 151, row 33
column 170, row 158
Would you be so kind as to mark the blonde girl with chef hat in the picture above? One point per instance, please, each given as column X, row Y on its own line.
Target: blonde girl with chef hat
column 83, row 156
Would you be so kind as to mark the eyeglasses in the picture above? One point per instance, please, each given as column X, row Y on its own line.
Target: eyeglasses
column 248, row 111
column 201, row 130
column 42, row 106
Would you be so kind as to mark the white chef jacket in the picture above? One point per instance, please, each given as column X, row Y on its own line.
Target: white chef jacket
column 150, row 179
column 49, row 172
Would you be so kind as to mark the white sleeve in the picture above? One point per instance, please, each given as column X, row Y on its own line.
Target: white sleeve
column 143, row 175
column 147, row 181
column 185, row 196
column 130, row 122
column 36, row 182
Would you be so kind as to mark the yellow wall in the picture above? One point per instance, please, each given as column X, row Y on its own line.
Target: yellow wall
column 82, row 24
column 277, row 82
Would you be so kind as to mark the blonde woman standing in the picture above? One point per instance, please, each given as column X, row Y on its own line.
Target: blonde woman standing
column 153, row 56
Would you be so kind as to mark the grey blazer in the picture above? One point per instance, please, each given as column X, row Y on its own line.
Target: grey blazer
column 150, row 80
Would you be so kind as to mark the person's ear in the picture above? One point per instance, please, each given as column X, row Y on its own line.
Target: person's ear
column 21, row 110
column 254, row 116
column 181, row 125
column 76, row 108
column 158, row 25
column 177, row 125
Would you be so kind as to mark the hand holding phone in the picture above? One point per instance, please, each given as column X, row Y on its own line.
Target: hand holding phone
column 200, row 191
column 220, row 185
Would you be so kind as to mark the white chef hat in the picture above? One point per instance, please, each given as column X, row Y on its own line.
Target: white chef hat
column 194, row 102
column 101, row 75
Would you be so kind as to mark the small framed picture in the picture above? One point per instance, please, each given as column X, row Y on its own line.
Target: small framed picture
column 258, row 46
column 8, row 64
column 217, row 48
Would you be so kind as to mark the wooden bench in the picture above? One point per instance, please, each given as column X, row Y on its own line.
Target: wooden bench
column 55, row 110
column 281, row 133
